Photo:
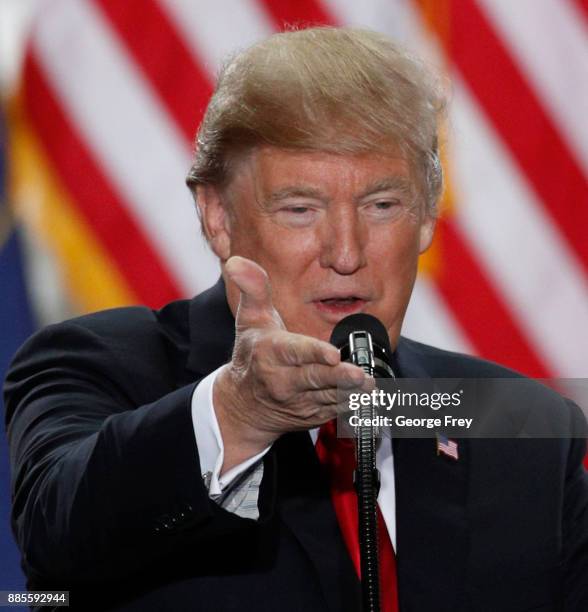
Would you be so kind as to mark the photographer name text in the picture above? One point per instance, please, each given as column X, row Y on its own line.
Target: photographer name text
column 402, row 421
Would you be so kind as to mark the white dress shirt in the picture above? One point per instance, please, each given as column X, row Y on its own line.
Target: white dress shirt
column 242, row 497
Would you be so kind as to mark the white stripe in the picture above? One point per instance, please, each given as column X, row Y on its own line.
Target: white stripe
column 379, row 15
column 132, row 137
column 397, row 19
column 429, row 320
column 215, row 30
column 550, row 41
column 523, row 253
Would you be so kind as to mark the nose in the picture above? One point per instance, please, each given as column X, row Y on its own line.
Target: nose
column 344, row 241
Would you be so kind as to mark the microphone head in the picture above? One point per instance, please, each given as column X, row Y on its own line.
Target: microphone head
column 360, row 322
column 374, row 357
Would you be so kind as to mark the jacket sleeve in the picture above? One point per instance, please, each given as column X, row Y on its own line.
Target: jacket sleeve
column 102, row 485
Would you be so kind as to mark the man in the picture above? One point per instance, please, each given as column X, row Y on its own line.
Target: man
column 162, row 459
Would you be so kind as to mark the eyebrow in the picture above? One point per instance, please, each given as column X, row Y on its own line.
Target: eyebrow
column 397, row 183
column 295, row 192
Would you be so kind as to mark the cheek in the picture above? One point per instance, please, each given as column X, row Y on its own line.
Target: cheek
column 288, row 259
column 396, row 248
column 286, row 253
column 292, row 266
column 393, row 259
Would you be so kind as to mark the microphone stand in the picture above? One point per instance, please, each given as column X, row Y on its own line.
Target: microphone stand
column 366, row 476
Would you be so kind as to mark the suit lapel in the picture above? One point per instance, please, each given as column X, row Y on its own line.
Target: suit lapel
column 305, row 507
column 431, row 522
column 212, row 330
column 431, row 513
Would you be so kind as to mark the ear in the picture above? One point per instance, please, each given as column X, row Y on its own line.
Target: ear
column 426, row 232
column 215, row 220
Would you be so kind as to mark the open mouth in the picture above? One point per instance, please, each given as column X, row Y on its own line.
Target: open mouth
column 341, row 301
column 340, row 305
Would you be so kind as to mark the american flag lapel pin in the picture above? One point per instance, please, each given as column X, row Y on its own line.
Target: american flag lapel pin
column 447, row 447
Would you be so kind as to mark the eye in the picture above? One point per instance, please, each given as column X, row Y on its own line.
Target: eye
column 296, row 215
column 386, row 204
column 387, row 208
column 297, row 210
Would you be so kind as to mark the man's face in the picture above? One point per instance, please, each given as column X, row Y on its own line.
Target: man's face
column 336, row 234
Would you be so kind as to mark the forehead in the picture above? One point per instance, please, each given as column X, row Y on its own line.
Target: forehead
column 271, row 171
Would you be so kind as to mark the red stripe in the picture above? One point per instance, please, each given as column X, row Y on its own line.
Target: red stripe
column 582, row 5
column 522, row 122
column 479, row 309
column 160, row 52
column 297, row 13
column 105, row 213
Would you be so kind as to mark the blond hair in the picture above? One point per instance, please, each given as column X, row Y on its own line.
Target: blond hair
column 337, row 90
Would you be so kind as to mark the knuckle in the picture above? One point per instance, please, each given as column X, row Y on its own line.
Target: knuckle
column 284, row 347
column 261, row 369
column 277, row 390
column 291, row 349
column 281, row 393
column 275, row 341
column 327, row 396
column 310, row 412
column 312, row 377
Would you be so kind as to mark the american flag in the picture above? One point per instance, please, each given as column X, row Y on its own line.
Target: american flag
column 112, row 93
column 447, row 447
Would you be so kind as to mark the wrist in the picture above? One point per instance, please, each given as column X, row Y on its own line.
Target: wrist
column 241, row 438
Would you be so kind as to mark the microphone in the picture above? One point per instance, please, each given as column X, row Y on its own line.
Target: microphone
column 363, row 340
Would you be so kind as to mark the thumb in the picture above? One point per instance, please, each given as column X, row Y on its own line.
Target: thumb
column 256, row 309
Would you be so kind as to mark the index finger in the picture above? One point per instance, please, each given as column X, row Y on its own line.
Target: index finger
column 297, row 350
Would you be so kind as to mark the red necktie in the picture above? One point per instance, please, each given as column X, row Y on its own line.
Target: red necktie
column 338, row 456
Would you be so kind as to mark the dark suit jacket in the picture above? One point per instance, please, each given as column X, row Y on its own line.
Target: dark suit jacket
column 109, row 501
